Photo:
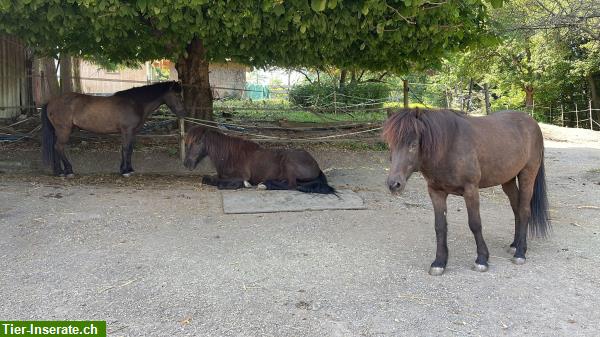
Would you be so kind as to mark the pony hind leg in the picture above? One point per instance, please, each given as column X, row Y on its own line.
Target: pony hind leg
column 512, row 192
column 276, row 185
column 471, row 196
column 62, row 137
column 526, row 183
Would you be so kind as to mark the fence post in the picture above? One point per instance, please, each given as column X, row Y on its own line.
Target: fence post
column 576, row 116
column 335, row 101
column 182, row 139
column 591, row 119
column 488, row 107
column 551, row 121
column 405, row 91
column 562, row 115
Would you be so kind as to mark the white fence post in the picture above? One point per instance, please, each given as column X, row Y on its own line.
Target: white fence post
column 591, row 119
column 576, row 116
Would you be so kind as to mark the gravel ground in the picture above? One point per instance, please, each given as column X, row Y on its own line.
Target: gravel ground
column 154, row 255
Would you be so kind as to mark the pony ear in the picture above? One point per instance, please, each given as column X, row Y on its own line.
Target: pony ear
column 418, row 112
column 176, row 87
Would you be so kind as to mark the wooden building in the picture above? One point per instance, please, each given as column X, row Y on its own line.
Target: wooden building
column 15, row 89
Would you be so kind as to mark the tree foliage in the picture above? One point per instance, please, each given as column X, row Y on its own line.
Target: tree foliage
column 369, row 34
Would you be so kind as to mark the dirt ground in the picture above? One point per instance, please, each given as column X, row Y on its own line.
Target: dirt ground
column 154, row 255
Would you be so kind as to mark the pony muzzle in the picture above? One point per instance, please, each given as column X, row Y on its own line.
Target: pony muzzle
column 396, row 186
column 189, row 163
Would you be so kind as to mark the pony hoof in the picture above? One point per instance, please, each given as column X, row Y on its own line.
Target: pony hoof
column 518, row 260
column 247, row 184
column 512, row 250
column 436, row 271
column 482, row 268
column 126, row 175
column 261, row 186
column 70, row 176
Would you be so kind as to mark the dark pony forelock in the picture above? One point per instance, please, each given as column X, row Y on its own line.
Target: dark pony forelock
column 228, row 149
column 432, row 128
column 194, row 135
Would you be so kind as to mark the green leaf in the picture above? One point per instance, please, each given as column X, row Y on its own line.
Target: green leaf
column 53, row 12
column 331, row 4
column 365, row 9
column 278, row 9
column 318, row 5
column 380, row 27
column 496, row 3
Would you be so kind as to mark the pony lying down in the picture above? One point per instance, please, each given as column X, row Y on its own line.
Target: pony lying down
column 242, row 163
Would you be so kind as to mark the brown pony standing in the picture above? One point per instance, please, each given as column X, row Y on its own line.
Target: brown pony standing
column 459, row 155
column 124, row 112
column 239, row 162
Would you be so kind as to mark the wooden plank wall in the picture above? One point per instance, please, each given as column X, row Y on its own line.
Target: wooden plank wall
column 13, row 83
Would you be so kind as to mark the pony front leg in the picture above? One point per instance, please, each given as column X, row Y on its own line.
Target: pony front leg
column 471, row 195
column 438, row 199
column 126, row 151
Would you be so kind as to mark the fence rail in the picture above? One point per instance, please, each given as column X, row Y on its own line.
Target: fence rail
column 561, row 114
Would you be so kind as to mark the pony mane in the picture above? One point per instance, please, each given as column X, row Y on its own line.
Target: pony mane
column 149, row 92
column 433, row 129
column 225, row 151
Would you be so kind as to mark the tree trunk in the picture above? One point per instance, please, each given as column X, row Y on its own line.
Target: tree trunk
column 194, row 75
column 528, row 95
column 488, row 107
column 470, row 95
column 343, row 75
column 594, row 84
column 29, row 68
column 50, row 78
column 77, row 75
column 66, row 74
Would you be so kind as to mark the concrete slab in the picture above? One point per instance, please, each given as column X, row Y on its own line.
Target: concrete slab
column 255, row 201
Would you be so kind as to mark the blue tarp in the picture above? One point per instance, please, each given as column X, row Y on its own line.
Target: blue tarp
column 257, row 91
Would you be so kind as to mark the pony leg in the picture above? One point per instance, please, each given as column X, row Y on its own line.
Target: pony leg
column 276, row 185
column 438, row 199
column 471, row 196
column 126, row 151
column 512, row 192
column 62, row 137
column 230, row 184
column 223, row 184
column 526, row 182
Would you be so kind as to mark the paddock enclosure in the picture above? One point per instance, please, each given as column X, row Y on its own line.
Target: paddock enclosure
column 155, row 255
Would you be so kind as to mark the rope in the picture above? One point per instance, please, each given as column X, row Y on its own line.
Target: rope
column 285, row 138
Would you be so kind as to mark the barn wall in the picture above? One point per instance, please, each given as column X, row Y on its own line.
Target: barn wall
column 224, row 78
column 13, row 85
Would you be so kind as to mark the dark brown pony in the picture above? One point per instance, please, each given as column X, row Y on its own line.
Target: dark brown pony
column 124, row 112
column 240, row 162
column 459, row 155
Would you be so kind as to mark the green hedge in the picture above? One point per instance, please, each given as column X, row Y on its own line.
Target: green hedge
column 322, row 95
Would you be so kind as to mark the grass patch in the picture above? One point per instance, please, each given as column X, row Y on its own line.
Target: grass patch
column 594, row 171
column 353, row 145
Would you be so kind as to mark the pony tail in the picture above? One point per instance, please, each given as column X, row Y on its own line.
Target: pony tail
column 539, row 222
column 319, row 185
column 48, row 137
